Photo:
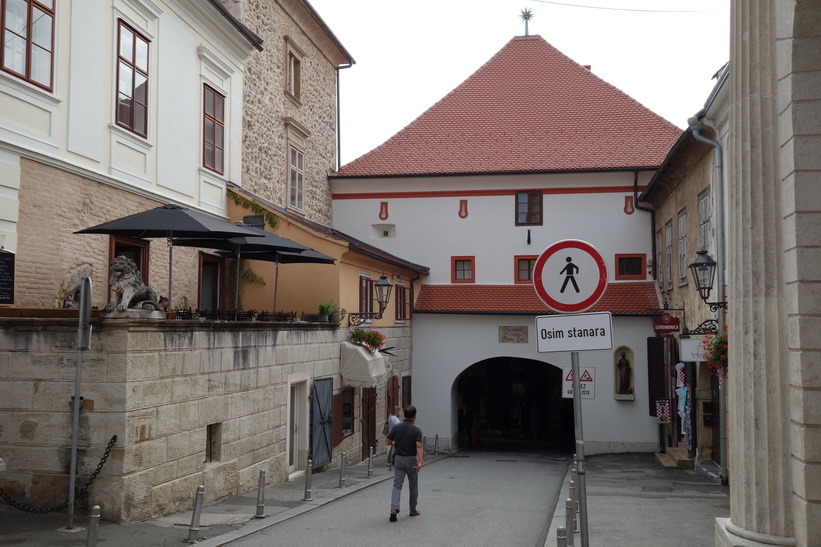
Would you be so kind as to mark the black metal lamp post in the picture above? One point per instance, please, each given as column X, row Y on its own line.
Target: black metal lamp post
column 704, row 271
column 383, row 296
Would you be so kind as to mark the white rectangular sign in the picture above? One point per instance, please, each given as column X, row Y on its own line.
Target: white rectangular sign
column 574, row 332
column 587, row 383
column 692, row 349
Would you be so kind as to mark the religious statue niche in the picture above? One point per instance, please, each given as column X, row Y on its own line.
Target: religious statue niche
column 623, row 363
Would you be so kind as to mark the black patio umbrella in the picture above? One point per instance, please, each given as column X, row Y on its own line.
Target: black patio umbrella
column 240, row 247
column 171, row 221
column 284, row 257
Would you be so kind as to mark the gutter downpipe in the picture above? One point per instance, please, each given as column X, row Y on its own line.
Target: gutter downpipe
column 652, row 212
column 339, row 117
column 695, row 124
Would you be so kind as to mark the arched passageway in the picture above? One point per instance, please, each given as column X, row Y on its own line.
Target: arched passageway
column 513, row 403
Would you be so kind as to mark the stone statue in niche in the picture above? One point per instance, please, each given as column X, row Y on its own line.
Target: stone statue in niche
column 623, row 365
column 128, row 289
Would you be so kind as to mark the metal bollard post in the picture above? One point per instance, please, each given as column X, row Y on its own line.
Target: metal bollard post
column 370, row 462
column 561, row 537
column 93, row 523
column 573, row 498
column 308, row 472
column 194, row 531
column 570, row 518
column 342, row 470
column 436, row 445
column 261, row 495
column 574, row 479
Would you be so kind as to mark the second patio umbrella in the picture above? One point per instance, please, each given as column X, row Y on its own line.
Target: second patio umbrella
column 170, row 221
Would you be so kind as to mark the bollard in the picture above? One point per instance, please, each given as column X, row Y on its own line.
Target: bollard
column 561, row 537
column 573, row 495
column 261, row 496
column 570, row 518
column 307, row 496
column 436, row 445
column 93, row 523
column 370, row 462
column 194, row 531
column 574, row 479
column 342, row 470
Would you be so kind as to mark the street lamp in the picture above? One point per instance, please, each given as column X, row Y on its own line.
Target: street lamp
column 383, row 295
column 704, row 271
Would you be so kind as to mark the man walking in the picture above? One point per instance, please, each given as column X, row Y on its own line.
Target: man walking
column 406, row 438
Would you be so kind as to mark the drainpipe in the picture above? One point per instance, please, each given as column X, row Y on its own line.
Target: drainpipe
column 339, row 117
column 652, row 212
column 695, row 124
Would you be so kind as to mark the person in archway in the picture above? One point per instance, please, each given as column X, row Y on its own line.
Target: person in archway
column 570, row 272
column 407, row 438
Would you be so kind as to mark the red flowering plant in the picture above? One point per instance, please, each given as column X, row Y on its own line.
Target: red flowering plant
column 371, row 339
column 715, row 352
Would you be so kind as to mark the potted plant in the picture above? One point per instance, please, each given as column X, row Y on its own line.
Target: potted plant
column 326, row 309
column 715, row 352
column 371, row 339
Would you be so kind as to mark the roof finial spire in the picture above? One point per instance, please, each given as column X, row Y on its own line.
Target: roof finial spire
column 527, row 15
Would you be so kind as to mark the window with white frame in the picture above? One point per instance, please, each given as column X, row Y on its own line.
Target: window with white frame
column 682, row 247
column 293, row 66
column 668, row 255
column 704, row 220
column 296, row 178
column 658, row 268
column 28, row 40
column 213, row 130
column 132, row 80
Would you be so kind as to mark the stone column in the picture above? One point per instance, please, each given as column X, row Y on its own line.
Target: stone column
column 775, row 275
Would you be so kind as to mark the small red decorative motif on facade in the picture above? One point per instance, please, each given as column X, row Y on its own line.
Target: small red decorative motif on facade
column 383, row 210
column 463, row 208
column 629, row 208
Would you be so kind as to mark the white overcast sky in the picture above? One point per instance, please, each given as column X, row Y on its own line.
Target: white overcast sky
column 411, row 53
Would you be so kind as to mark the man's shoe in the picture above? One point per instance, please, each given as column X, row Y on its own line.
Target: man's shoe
column 394, row 512
column 414, row 513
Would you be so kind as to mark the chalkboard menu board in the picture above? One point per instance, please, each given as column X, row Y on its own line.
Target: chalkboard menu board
column 6, row 277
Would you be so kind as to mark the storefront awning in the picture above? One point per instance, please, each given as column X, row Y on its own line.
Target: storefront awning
column 360, row 367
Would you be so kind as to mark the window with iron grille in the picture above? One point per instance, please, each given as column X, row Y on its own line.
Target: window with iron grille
column 28, row 40
column 631, row 267
column 132, row 80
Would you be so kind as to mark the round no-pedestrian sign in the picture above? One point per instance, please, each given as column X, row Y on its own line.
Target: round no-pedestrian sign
column 570, row 276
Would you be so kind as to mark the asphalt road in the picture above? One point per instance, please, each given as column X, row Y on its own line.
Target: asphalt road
column 475, row 498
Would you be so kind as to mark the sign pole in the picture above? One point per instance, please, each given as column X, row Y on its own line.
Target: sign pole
column 577, row 417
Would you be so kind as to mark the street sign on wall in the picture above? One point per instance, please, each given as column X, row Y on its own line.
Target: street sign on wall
column 570, row 276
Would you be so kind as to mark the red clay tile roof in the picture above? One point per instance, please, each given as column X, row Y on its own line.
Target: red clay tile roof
column 628, row 298
column 530, row 108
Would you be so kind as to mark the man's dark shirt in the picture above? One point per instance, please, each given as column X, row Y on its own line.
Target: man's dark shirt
column 405, row 435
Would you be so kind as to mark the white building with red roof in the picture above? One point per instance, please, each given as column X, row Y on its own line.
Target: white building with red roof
column 531, row 149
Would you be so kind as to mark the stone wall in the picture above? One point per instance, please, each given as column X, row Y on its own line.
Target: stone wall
column 157, row 385
column 265, row 138
column 53, row 205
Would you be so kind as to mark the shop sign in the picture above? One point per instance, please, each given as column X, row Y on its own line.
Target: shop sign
column 666, row 323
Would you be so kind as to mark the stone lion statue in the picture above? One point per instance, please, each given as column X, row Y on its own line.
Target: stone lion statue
column 128, row 289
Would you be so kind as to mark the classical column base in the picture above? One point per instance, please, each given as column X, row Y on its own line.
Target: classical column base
column 730, row 535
